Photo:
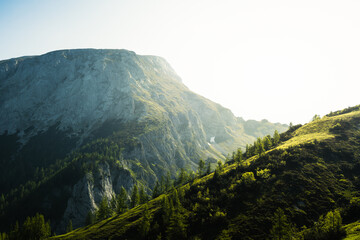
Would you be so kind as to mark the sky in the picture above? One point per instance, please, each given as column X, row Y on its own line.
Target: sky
column 284, row 61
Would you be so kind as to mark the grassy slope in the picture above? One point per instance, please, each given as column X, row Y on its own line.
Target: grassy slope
column 311, row 173
column 353, row 231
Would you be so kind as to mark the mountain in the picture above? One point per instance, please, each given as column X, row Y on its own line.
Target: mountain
column 304, row 187
column 77, row 125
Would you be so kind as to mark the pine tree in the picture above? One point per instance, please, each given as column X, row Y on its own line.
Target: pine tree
column 113, row 204
column 90, row 218
column 2, row 200
column 166, row 210
column 35, row 228
column 176, row 200
column 267, row 143
column 330, row 225
column 143, row 196
column 247, row 152
column 219, row 166
column 201, row 168
column 238, row 155
column 182, row 178
column 177, row 227
column 276, row 138
column 121, row 202
column 259, row 146
column 316, row 117
column 208, row 168
column 162, row 185
column 104, row 210
column 282, row 228
column 15, row 232
column 135, row 197
column 3, row 236
column 69, row 227
column 168, row 182
column 144, row 227
column 156, row 191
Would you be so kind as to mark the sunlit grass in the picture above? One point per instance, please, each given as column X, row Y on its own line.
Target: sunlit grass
column 318, row 130
column 353, row 231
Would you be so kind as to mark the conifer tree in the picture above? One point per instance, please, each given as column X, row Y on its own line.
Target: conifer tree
column 267, row 143
column 3, row 236
column 177, row 227
column 143, row 196
column 232, row 157
column 219, row 166
column 135, row 197
column 201, row 167
column 104, row 210
column 162, row 185
column 208, row 168
column 156, row 191
column 144, row 227
column 121, row 202
column 276, row 138
column 168, row 182
column 2, row 200
column 282, row 228
column 182, row 178
column 238, row 155
column 15, row 232
column 34, row 228
column 176, row 200
column 90, row 218
column 113, row 204
column 69, row 227
column 259, row 146
column 166, row 209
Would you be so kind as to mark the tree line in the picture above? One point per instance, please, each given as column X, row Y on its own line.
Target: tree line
column 33, row 228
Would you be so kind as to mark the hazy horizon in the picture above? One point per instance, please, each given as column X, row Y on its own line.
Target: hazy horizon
column 281, row 61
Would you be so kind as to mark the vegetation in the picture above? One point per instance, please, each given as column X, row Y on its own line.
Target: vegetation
column 288, row 186
column 302, row 184
column 33, row 228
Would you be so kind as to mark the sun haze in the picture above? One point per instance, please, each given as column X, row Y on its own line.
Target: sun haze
column 280, row 60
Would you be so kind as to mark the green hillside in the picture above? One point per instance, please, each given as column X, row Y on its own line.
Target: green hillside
column 311, row 176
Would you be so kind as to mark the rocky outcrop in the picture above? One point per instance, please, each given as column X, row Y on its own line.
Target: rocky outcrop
column 91, row 189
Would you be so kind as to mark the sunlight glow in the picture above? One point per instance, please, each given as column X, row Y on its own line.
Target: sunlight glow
column 280, row 60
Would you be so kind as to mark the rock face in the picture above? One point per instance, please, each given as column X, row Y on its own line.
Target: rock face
column 89, row 191
column 54, row 104
column 80, row 89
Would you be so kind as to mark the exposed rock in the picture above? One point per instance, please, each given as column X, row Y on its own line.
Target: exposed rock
column 90, row 190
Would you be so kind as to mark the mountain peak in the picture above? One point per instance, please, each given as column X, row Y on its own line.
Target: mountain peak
column 76, row 88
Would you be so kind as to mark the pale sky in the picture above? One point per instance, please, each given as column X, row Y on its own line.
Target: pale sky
column 278, row 60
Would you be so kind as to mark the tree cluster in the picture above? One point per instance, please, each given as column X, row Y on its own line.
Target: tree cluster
column 33, row 228
column 328, row 227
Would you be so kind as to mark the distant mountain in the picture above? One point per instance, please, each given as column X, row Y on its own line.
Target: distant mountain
column 304, row 187
column 77, row 125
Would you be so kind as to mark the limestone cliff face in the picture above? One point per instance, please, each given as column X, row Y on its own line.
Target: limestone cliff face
column 54, row 104
column 89, row 191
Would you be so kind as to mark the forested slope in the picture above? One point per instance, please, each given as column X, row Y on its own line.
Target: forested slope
column 311, row 175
